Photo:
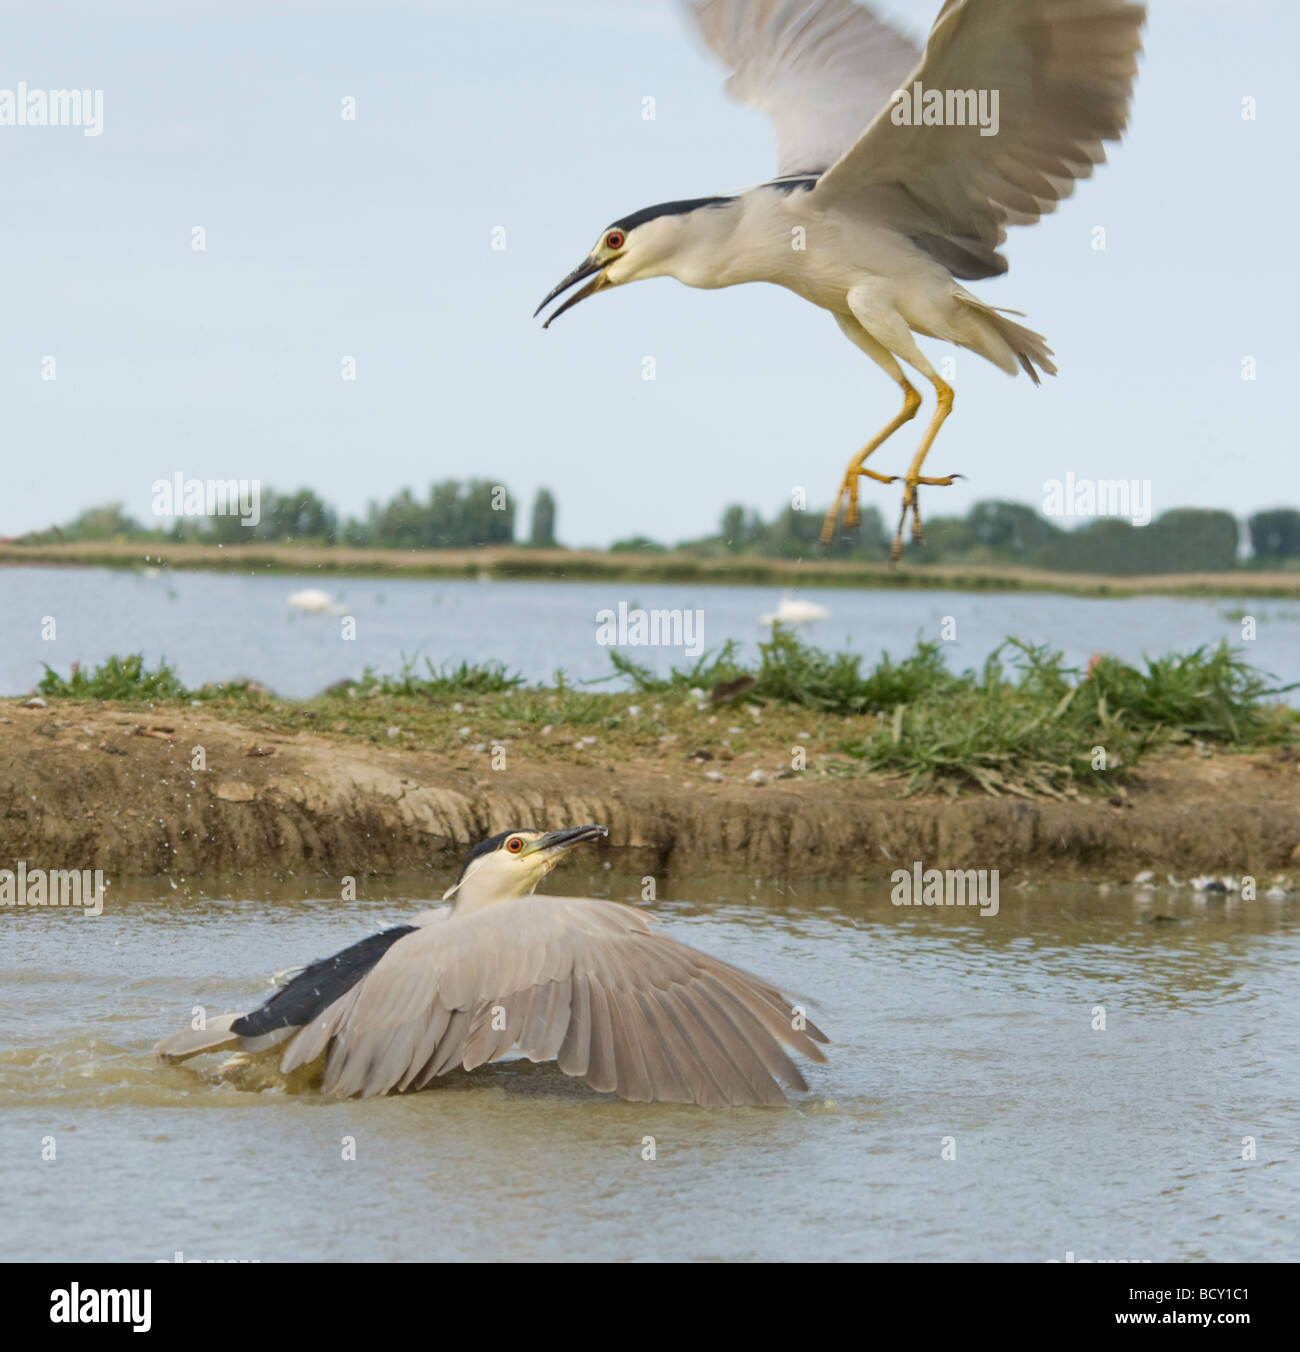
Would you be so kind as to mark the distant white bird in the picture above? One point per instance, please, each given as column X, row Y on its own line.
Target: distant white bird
column 899, row 172
column 316, row 602
column 793, row 611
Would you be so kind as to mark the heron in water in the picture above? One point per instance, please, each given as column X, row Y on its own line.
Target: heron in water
column 586, row 983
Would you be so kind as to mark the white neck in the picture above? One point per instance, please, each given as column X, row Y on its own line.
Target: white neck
column 488, row 880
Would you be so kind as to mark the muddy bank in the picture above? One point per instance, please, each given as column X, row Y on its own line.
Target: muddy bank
column 106, row 786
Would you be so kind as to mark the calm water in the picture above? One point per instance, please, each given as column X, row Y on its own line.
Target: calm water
column 1124, row 1143
column 218, row 626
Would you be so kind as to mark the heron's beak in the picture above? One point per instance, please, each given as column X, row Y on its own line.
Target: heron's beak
column 554, row 844
column 584, row 269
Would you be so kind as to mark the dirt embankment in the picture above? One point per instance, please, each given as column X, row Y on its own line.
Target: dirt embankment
column 103, row 786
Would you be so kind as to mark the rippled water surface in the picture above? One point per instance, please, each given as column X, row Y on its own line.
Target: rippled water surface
column 1122, row 1143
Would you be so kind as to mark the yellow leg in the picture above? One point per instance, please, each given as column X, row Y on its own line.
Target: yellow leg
column 913, row 477
column 849, row 488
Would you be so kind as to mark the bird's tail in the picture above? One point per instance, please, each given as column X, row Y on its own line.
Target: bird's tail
column 191, row 1041
column 1007, row 342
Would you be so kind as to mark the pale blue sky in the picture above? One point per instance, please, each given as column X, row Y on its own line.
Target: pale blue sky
column 373, row 239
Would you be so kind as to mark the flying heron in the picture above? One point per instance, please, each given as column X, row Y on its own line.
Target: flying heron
column 899, row 172
column 585, row 983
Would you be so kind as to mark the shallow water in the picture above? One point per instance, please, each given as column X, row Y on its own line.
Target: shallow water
column 217, row 626
column 1123, row 1143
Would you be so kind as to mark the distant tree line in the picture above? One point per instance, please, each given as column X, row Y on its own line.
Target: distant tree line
column 1182, row 540
column 452, row 515
column 457, row 515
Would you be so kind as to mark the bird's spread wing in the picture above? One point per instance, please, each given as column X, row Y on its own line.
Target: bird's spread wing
column 585, row 983
column 820, row 69
column 1063, row 73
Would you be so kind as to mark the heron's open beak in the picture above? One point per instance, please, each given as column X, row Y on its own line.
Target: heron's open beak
column 556, row 843
column 584, row 269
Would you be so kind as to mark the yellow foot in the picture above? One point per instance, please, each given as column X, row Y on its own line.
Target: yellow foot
column 849, row 490
column 911, row 503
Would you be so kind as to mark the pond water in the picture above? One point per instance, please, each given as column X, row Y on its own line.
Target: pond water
column 217, row 626
column 947, row 1028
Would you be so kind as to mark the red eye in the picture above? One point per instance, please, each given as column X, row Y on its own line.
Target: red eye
column 614, row 240
column 514, row 844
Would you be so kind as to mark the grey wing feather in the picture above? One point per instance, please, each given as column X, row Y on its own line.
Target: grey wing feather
column 1063, row 73
column 435, row 1026
column 450, row 1050
column 190, row 1041
column 574, row 1055
column 311, row 1040
column 543, row 1032
column 820, row 69
column 586, row 983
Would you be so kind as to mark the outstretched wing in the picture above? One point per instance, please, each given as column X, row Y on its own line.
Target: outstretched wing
column 582, row 982
column 820, row 69
column 1062, row 71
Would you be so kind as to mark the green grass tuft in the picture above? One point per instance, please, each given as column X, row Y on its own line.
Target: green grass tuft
column 123, row 678
column 465, row 679
column 1041, row 728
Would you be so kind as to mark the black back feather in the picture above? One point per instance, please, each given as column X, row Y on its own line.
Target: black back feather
column 315, row 988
